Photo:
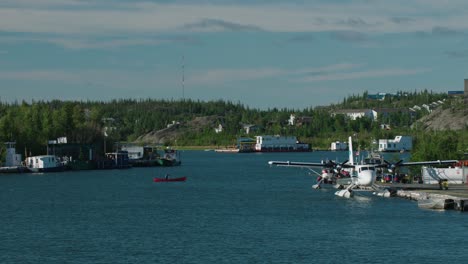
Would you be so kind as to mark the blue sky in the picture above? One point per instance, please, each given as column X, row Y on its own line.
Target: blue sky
column 264, row 54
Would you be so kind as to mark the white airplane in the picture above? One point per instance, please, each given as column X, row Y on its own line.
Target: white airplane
column 365, row 173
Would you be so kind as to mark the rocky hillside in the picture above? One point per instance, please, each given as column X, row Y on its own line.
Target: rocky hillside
column 177, row 130
column 445, row 119
column 439, row 119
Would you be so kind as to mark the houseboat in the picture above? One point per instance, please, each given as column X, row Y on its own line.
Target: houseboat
column 279, row 144
column 44, row 163
column 142, row 156
column 114, row 160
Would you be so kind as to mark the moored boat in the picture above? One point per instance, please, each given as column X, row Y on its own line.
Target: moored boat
column 436, row 203
column 44, row 163
column 171, row 157
column 179, row 179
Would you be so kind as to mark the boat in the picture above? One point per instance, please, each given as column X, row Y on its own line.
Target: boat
column 171, row 157
column 436, row 203
column 227, row 150
column 44, row 163
column 179, row 179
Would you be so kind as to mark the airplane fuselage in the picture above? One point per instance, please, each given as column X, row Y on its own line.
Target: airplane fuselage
column 365, row 175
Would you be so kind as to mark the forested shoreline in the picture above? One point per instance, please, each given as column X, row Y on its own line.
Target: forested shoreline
column 32, row 124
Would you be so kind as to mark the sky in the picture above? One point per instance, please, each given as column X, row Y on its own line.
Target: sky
column 262, row 53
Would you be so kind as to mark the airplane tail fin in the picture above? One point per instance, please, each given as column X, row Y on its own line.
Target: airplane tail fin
column 351, row 157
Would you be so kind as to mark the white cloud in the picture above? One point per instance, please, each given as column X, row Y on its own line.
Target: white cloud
column 376, row 73
column 341, row 71
column 61, row 16
column 38, row 75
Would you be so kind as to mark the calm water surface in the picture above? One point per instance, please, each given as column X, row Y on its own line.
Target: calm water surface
column 233, row 208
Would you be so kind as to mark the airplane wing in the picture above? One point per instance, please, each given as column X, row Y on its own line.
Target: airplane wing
column 434, row 162
column 308, row 164
column 400, row 163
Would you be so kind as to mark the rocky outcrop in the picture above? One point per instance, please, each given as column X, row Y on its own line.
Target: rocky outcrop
column 445, row 119
column 176, row 130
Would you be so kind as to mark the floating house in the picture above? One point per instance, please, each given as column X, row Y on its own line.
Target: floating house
column 400, row 143
column 114, row 160
column 279, row 144
column 44, row 163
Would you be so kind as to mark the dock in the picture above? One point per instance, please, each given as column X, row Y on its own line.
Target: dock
column 430, row 196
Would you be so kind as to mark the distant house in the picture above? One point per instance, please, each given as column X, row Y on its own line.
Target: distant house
column 378, row 97
column 291, row 119
column 219, row 129
column 400, row 143
column 381, row 96
column 385, row 126
column 456, row 93
column 337, row 145
column 427, row 107
column 416, row 108
column 385, row 112
column 250, row 128
column 353, row 114
column 299, row 121
column 174, row 123
column 303, row 120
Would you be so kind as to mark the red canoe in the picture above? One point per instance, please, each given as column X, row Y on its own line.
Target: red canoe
column 170, row 179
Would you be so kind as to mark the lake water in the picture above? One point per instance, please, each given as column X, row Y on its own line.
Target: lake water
column 233, row 208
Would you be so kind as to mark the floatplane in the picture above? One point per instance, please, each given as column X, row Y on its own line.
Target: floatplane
column 362, row 176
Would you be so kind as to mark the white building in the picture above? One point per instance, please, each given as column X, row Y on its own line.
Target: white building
column 291, row 119
column 219, row 129
column 353, row 114
column 134, row 152
column 250, row 128
column 279, row 144
column 400, row 143
column 339, row 145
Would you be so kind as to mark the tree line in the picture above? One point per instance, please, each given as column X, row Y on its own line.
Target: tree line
column 32, row 124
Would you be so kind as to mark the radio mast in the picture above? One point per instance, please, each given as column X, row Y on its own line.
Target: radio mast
column 183, row 77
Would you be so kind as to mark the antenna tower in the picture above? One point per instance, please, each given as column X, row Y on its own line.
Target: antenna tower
column 183, row 77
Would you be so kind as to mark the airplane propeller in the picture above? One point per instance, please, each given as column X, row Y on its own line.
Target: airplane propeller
column 391, row 166
column 337, row 167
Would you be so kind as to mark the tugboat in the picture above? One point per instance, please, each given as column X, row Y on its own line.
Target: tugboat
column 171, row 157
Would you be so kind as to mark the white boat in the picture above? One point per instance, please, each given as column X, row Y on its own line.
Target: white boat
column 227, row 150
column 436, row 203
column 44, row 163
